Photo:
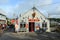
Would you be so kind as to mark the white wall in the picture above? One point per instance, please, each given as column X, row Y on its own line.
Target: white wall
column 2, row 17
column 38, row 14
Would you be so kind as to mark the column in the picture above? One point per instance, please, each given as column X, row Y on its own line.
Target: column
column 48, row 26
column 19, row 23
column 40, row 24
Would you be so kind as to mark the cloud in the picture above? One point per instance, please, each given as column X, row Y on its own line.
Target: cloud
column 4, row 1
column 58, row 9
column 23, row 5
column 2, row 12
column 31, row 3
column 44, row 2
column 26, row 5
column 7, row 10
column 53, row 10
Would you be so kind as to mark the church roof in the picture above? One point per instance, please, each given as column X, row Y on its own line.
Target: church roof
column 34, row 8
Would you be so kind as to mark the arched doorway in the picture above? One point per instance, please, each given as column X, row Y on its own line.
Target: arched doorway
column 32, row 24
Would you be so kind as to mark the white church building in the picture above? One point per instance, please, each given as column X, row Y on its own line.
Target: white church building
column 33, row 20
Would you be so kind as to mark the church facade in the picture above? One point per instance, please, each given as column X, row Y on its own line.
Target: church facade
column 33, row 20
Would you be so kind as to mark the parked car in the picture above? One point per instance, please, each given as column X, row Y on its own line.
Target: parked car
column 58, row 29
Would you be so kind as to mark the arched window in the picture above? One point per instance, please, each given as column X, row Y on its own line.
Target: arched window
column 22, row 24
column 44, row 24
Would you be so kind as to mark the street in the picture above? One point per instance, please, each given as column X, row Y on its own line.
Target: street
column 30, row 36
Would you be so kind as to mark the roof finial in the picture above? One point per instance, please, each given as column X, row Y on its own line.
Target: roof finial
column 33, row 7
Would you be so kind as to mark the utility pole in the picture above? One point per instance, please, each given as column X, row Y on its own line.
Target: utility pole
column 14, row 17
column 48, row 15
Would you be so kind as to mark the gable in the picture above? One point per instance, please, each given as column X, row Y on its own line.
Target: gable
column 29, row 13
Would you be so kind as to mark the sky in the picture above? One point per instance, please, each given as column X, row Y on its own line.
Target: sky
column 48, row 7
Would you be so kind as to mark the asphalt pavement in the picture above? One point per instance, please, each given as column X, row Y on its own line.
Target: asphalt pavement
column 30, row 36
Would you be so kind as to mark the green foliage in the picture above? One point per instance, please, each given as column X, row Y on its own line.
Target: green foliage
column 8, row 22
column 55, row 19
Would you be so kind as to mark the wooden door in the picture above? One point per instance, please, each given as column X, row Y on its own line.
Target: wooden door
column 31, row 26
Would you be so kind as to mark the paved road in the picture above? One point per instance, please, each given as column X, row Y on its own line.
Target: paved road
column 30, row 36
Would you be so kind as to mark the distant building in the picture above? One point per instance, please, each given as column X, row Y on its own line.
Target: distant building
column 32, row 20
column 13, row 21
column 3, row 18
column 54, row 23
